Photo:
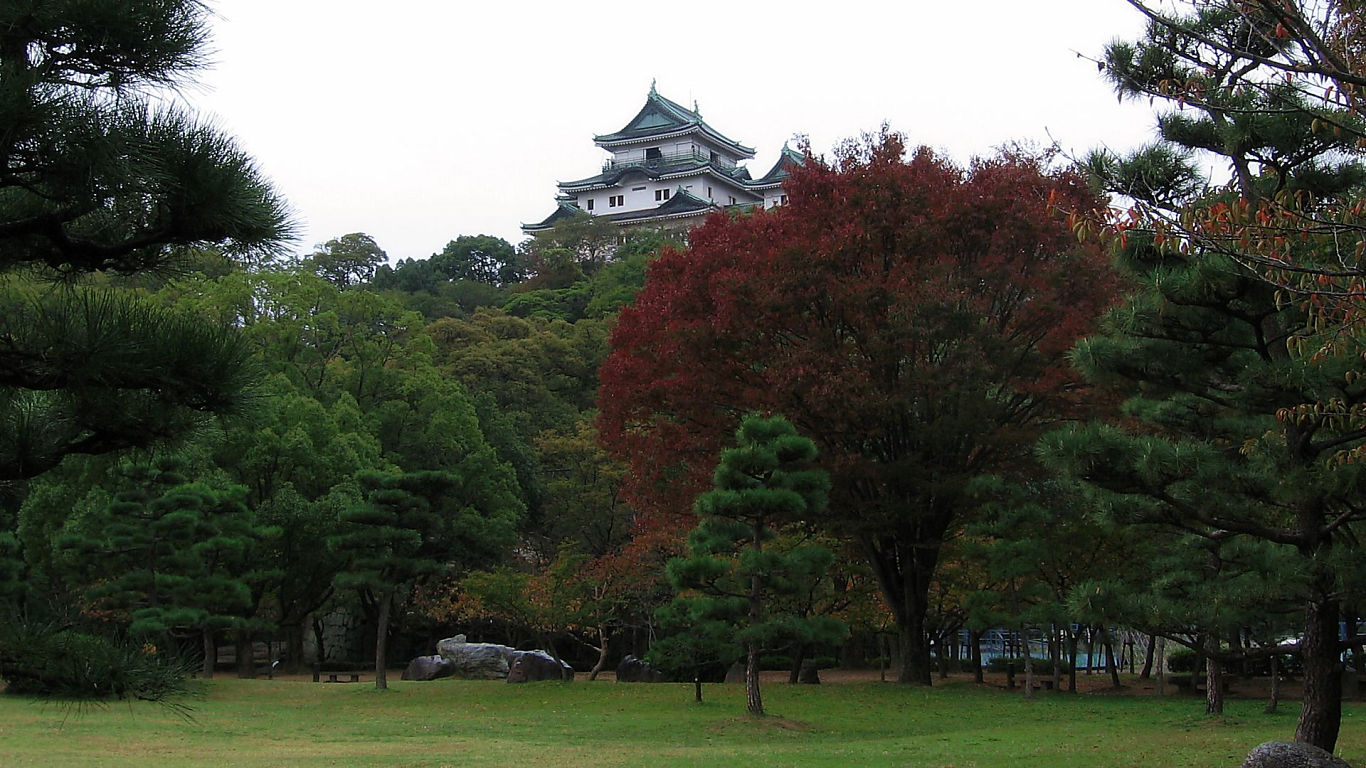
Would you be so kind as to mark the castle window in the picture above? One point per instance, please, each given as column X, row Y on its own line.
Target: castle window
column 661, row 194
column 590, row 203
column 616, row 201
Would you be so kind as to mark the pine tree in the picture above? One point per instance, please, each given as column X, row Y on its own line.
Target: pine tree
column 173, row 558
column 94, row 178
column 760, row 484
column 413, row 526
column 1223, row 446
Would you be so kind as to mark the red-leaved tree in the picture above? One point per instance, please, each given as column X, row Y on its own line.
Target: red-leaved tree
column 911, row 316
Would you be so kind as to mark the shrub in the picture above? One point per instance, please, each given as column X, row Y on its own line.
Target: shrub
column 1003, row 664
column 40, row 660
column 778, row 662
column 775, row 662
column 1181, row 661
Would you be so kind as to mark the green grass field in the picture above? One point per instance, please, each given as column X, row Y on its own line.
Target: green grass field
column 548, row 725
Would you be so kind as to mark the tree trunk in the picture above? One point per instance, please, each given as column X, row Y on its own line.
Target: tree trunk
column 1321, row 715
column 795, row 675
column 246, row 654
column 603, row 636
column 1072, row 660
column 915, row 651
column 382, row 640
column 1028, row 665
column 318, row 642
column 1161, row 666
column 1214, row 688
column 1147, row 671
column 294, row 646
column 210, row 653
column 904, row 563
column 975, row 639
column 1109, row 642
column 754, row 701
column 1273, row 703
column 1055, row 655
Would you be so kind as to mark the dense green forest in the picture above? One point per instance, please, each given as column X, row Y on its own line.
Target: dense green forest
column 1079, row 401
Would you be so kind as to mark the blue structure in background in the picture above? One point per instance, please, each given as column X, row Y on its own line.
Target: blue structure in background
column 1007, row 643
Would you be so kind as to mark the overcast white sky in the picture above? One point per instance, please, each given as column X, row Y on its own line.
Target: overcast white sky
column 416, row 121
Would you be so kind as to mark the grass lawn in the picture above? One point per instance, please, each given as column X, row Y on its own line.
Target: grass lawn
column 548, row 725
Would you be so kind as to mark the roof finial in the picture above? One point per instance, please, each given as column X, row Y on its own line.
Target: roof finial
column 652, row 87
column 695, row 110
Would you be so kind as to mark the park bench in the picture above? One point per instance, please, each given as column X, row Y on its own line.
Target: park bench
column 335, row 676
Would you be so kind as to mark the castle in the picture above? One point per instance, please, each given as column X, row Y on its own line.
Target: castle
column 669, row 169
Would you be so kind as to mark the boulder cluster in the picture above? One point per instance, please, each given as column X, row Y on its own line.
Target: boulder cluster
column 486, row 661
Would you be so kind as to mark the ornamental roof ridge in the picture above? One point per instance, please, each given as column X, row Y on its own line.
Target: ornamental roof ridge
column 786, row 159
column 661, row 116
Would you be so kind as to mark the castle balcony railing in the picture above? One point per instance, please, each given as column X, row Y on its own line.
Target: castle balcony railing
column 667, row 158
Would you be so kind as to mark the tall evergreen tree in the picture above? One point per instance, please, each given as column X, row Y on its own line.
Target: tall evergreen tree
column 1222, row 446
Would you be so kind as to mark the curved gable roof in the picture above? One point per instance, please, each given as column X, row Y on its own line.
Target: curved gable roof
column 787, row 159
column 663, row 117
column 562, row 211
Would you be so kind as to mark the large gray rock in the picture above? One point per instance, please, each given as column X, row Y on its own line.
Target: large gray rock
column 633, row 670
column 476, row 661
column 1291, row 754
column 530, row 666
column 428, row 668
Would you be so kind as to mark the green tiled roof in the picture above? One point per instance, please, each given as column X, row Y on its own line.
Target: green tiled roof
column 660, row 117
column 562, row 211
column 652, row 172
column 786, row 159
column 681, row 203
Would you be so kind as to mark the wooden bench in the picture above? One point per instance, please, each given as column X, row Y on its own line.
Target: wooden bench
column 336, row 677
